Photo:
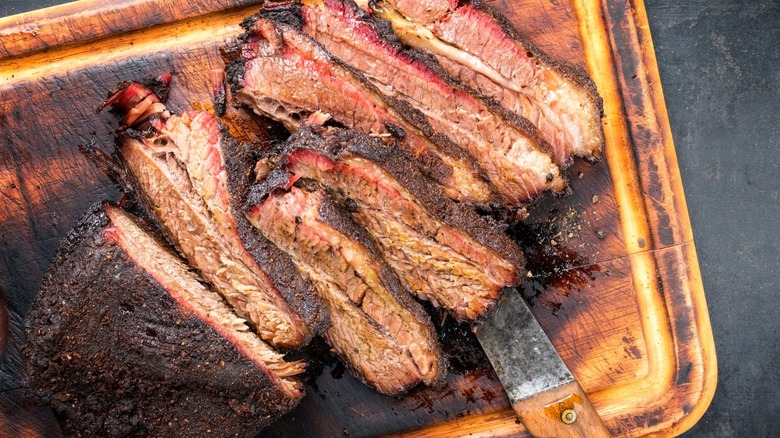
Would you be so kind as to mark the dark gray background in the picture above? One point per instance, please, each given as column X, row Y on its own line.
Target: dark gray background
column 720, row 70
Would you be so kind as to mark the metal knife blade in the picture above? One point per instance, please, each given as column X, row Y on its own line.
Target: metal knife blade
column 542, row 390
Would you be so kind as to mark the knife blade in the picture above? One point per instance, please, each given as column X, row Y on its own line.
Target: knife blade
column 544, row 394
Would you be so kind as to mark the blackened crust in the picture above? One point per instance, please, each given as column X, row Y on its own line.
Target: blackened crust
column 277, row 179
column 339, row 143
column 297, row 291
column 114, row 355
column 234, row 74
column 287, row 13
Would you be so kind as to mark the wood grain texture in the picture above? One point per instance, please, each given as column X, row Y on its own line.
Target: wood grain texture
column 87, row 20
column 3, row 324
column 563, row 412
column 614, row 276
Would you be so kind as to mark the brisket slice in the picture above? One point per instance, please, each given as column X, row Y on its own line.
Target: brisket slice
column 191, row 176
column 506, row 148
column 123, row 340
column 483, row 50
column 221, row 170
column 384, row 337
column 445, row 252
column 287, row 76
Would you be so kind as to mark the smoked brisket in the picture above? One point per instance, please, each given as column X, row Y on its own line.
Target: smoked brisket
column 445, row 252
column 384, row 337
column 192, row 178
column 124, row 340
column 506, row 147
column 284, row 74
column 483, row 50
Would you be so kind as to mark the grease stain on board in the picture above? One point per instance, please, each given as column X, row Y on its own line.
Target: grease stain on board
column 552, row 260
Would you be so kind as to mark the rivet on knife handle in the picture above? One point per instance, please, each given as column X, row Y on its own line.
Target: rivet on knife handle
column 542, row 390
column 561, row 412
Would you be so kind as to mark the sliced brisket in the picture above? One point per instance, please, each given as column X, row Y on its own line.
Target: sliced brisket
column 483, row 50
column 287, row 76
column 383, row 336
column 191, row 176
column 123, row 340
column 505, row 147
column 444, row 251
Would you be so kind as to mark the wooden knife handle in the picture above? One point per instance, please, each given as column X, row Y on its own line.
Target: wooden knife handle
column 561, row 412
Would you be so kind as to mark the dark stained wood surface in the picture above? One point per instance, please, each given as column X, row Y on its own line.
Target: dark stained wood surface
column 79, row 22
column 615, row 281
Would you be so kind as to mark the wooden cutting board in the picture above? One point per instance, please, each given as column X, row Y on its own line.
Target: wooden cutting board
column 614, row 277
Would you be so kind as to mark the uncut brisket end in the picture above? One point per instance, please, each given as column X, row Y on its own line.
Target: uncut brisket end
column 507, row 150
column 123, row 340
column 287, row 76
column 445, row 252
column 483, row 50
column 192, row 177
column 384, row 337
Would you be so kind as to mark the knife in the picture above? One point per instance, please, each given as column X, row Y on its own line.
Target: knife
column 542, row 390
